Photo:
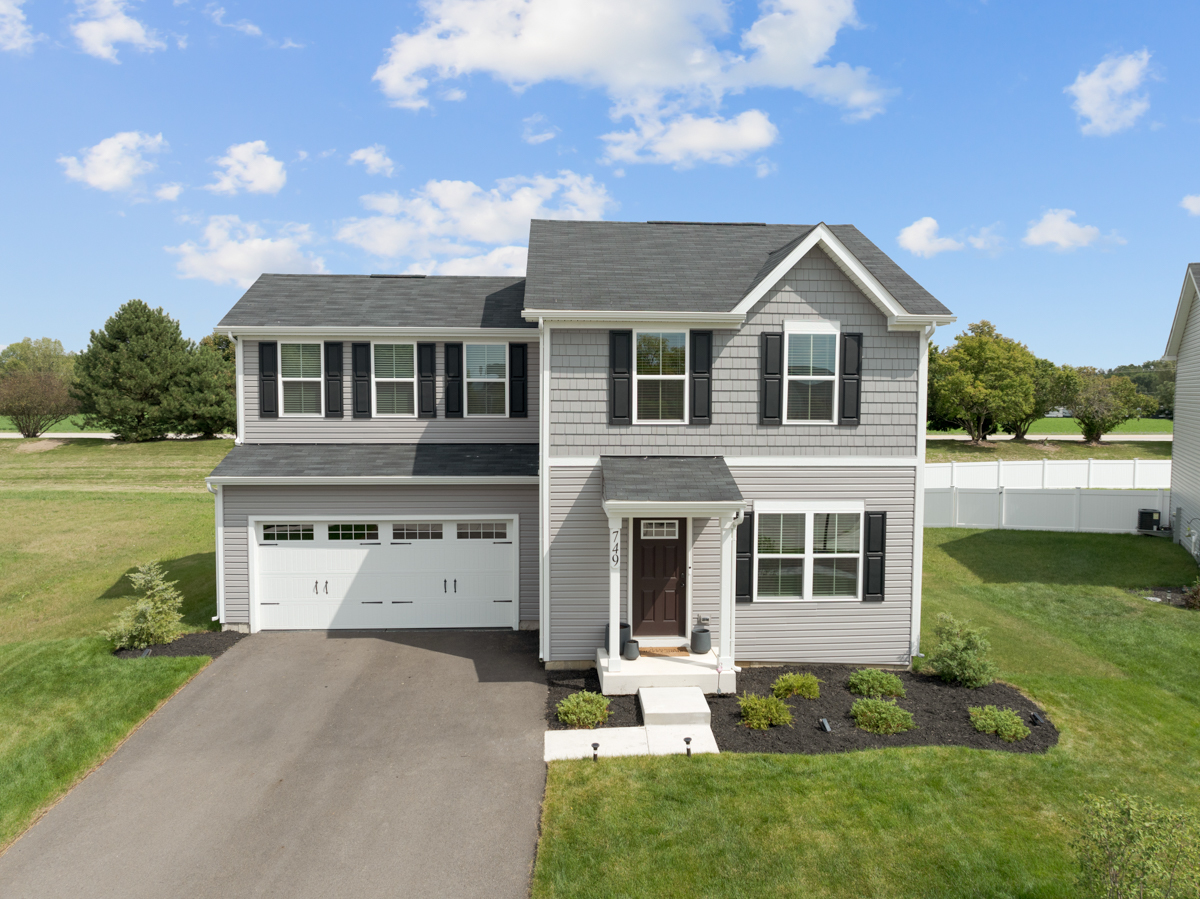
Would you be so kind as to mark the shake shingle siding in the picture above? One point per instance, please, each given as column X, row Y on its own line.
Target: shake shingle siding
column 815, row 290
column 296, row 429
column 374, row 502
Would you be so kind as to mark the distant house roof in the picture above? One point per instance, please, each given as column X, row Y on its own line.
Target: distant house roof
column 1187, row 299
column 668, row 479
column 374, row 301
column 377, row 461
column 682, row 266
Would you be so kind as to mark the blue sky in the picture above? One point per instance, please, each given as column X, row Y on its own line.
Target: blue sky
column 1029, row 163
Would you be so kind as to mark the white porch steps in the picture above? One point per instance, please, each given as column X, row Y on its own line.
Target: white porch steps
column 671, row 715
column 674, row 705
column 664, row 671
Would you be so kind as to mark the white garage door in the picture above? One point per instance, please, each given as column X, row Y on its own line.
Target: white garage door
column 386, row 574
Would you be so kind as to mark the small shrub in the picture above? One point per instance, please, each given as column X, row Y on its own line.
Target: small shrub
column 878, row 716
column 1128, row 847
column 583, row 709
column 761, row 712
column 806, row 686
column 155, row 616
column 875, row 683
column 1191, row 596
column 1004, row 723
column 961, row 654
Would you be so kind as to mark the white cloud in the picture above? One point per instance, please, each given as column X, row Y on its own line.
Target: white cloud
column 454, row 95
column 249, row 167
column 655, row 59
column 236, row 252
column 458, row 219
column 116, row 162
column 289, row 44
column 689, row 139
column 987, row 239
column 169, row 192
column 1056, row 227
column 15, row 33
column 101, row 24
column 1191, row 203
column 500, row 261
column 375, row 159
column 921, row 239
column 245, row 26
column 538, row 129
column 1105, row 97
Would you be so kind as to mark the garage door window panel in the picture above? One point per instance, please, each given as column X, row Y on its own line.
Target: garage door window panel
column 358, row 532
column 487, row 379
column 300, row 378
column 273, row 533
column 394, row 370
column 417, row 531
column 483, row 530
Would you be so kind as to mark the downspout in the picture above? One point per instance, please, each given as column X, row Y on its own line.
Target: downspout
column 919, row 500
column 240, row 378
column 219, row 516
column 544, row 492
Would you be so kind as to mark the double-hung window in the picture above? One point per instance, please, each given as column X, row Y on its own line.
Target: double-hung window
column 300, row 378
column 487, row 378
column 811, row 371
column 661, row 369
column 808, row 551
column 395, row 386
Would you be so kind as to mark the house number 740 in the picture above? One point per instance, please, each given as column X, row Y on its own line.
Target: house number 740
column 615, row 559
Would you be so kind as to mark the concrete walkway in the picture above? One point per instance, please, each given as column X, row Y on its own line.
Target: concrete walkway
column 314, row 765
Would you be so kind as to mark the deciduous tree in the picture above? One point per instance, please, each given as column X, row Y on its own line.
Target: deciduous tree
column 1104, row 402
column 35, row 377
column 1053, row 386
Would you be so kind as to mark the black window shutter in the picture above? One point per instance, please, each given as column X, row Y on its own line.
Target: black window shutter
column 360, row 354
column 518, row 380
column 770, row 410
column 876, row 544
column 620, row 377
column 851, row 379
column 333, row 379
column 427, row 380
column 268, row 379
column 454, row 380
column 743, row 589
column 702, row 345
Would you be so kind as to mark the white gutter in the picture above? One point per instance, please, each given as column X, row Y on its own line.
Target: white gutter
column 919, row 499
column 607, row 317
column 219, row 517
column 328, row 332
column 239, row 361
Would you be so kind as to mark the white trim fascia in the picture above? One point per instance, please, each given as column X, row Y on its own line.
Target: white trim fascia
column 769, row 506
column 382, row 480
column 544, row 476
column 767, row 461
column 600, row 318
column 239, row 361
column 571, row 461
column 334, row 332
column 1182, row 311
column 622, row 508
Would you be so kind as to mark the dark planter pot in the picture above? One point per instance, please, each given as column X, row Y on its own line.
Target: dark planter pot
column 626, row 635
column 701, row 640
column 631, row 651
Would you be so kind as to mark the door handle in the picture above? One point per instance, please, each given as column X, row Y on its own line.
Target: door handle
column 316, row 584
column 327, row 586
column 456, row 585
column 444, row 585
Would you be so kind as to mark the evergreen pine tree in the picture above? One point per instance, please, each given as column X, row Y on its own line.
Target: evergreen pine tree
column 205, row 396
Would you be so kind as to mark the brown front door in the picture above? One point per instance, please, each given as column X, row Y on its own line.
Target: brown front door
column 659, row 562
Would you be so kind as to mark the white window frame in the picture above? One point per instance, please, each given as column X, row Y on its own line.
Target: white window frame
column 815, row 327
column 685, row 377
column 375, row 413
column 467, row 380
column 320, row 379
column 654, row 522
column 810, row 510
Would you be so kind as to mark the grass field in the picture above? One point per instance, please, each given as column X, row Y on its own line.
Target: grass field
column 1071, row 426
column 944, row 450
column 78, row 518
column 1119, row 675
column 71, row 425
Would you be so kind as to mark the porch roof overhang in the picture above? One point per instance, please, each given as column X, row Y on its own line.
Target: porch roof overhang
column 684, row 486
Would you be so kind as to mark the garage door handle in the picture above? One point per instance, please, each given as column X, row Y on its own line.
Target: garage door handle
column 327, row 586
column 444, row 590
column 315, row 585
column 456, row 585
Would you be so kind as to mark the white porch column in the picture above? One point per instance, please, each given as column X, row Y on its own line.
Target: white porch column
column 728, row 569
column 614, row 594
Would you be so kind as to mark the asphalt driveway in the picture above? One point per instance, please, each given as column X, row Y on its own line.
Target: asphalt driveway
column 354, row 764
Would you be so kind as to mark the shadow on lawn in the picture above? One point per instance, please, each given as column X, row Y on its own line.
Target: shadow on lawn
column 197, row 579
column 1047, row 557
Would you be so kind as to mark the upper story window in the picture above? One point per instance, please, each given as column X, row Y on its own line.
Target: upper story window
column 300, row 378
column 395, row 378
column 811, row 381
column 487, row 378
column 660, row 384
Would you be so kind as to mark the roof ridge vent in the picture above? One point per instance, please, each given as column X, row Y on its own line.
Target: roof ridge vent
column 397, row 276
column 749, row 224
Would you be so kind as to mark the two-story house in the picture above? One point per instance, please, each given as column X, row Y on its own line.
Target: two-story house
column 662, row 422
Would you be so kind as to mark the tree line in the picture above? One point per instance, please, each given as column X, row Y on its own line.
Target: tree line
column 139, row 378
column 986, row 383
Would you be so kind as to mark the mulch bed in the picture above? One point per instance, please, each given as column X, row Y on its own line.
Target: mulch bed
column 205, row 643
column 1168, row 596
column 939, row 710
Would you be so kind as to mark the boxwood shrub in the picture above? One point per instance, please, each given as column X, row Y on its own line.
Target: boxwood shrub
column 805, row 686
column 761, row 712
column 583, row 709
column 961, row 654
column 1004, row 723
column 875, row 683
column 878, row 716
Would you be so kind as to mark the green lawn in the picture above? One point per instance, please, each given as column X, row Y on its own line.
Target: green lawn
column 1071, row 426
column 1119, row 675
column 78, row 518
column 73, row 425
column 944, row 450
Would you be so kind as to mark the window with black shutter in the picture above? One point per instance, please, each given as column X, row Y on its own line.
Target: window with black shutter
column 873, row 558
column 743, row 589
column 620, row 377
column 518, row 380
column 851, row 380
column 333, row 379
column 360, row 356
column 702, row 351
column 427, row 380
column 454, row 380
column 770, row 405
column 268, row 379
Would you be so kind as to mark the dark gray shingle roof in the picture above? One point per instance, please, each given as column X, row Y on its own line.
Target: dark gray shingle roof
column 666, row 479
column 357, row 301
column 334, row 460
column 679, row 266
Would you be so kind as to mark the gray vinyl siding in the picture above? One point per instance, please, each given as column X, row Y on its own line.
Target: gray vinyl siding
column 1185, row 449
column 813, row 291
column 706, row 573
column 442, row 501
column 578, row 563
column 293, row 429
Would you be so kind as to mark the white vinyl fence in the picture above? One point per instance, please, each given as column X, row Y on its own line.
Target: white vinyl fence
column 1048, row 474
column 1075, row 509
